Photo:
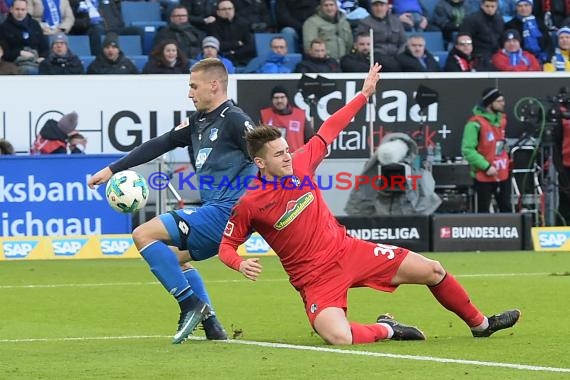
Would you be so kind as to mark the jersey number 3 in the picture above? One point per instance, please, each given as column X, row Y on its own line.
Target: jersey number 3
column 385, row 250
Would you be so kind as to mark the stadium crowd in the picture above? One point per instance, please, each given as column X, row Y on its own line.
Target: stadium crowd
column 282, row 36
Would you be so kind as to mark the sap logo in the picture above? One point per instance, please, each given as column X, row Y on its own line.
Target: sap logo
column 552, row 239
column 115, row 246
column 18, row 249
column 256, row 244
column 67, row 247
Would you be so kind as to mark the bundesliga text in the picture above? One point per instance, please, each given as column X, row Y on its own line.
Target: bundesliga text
column 339, row 181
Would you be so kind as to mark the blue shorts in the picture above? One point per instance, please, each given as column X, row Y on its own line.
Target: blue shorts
column 207, row 224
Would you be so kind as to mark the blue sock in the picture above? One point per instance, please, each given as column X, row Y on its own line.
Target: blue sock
column 198, row 286
column 164, row 265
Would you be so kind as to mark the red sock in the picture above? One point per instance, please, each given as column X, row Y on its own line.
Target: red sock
column 367, row 333
column 453, row 297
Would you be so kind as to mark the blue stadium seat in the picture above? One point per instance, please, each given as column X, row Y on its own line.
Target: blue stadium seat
column 263, row 43
column 139, row 60
column 441, row 57
column 86, row 60
column 79, row 45
column 434, row 40
column 144, row 15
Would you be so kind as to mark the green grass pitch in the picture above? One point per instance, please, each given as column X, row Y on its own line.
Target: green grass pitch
column 110, row 319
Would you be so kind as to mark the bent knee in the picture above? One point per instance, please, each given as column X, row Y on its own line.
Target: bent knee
column 437, row 273
column 142, row 237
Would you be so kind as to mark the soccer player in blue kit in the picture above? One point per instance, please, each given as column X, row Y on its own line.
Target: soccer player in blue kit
column 215, row 137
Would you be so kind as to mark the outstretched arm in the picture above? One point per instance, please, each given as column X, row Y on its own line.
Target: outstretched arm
column 331, row 128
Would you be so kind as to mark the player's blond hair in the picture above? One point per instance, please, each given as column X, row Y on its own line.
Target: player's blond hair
column 214, row 68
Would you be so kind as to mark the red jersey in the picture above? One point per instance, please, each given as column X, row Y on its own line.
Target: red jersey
column 292, row 125
column 292, row 215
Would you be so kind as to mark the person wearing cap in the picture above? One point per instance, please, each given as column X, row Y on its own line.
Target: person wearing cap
column 330, row 25
column 210, row 49
column 560, row 60
column 291, row 120
column 483, row 147
column 389, row 38
column 236, row 41
column 512, row 57
column 112, row 60
column 58, row 18
column 26, row 45
column 486, row 26
column 61, row 60
column 535, row 35
column 53, row 136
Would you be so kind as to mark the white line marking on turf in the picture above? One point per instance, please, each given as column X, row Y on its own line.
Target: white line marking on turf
column 524, row 367
column 36, row 286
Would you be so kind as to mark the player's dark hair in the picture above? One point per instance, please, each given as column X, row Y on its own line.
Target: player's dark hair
column 256, row 138
column 212, row 66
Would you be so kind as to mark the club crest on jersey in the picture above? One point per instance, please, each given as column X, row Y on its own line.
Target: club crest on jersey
column 314, row 308
column 293, row 210
column 213, row 134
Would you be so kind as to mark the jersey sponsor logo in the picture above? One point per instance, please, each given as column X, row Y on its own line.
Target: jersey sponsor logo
column 18, row 249
column 115, row 246
column 553, row 239
column 213, row 134
column 293, row 210
column 183, row 124
column 202, row 157
column 67, row 247
column 229, row 230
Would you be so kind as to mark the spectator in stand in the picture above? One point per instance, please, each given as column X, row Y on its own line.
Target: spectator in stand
column 416, row 58
column 201, row 12
column 255, row 13
column 53, row 136
column 7, row 68
column 61, row 60
column 447, row 16
column 166, row 58
column 276, row 61
column 506, row 8
column 112, row 60
column 236, row 41
column 211, row 49
column 188, row 37
column 354, row 10
column 292, row 14
column 536, row 38
column 54, row 16
column 560, row 60
column 554, row 13
column 4, row 10
column 291, row 120
column 77, row 143
column 389, row 35
column 358, row 60
column 512, row 57
column 411, row 13
column 317, row 60
column 330, row 25
column 461, row 58
column 26, row 45
column 486, row 27
column 6, row 148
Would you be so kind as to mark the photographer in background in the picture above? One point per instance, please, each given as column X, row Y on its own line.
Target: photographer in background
column 560, row 116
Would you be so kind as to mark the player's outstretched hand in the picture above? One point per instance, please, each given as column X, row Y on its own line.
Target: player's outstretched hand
column 369, row 86
column 250, row 268
column 100, row 177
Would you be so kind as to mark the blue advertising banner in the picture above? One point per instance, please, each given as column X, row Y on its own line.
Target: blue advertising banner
column 48, row 195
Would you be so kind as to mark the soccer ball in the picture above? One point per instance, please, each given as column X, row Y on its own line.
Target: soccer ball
column 127, row 191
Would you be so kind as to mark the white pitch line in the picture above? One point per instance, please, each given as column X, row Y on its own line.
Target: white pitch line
column 92, row 285
column 522, row 367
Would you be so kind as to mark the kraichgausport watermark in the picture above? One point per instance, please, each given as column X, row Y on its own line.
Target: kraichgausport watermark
column 339, row 181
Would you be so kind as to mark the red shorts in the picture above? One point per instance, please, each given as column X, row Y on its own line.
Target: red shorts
column 359, row 264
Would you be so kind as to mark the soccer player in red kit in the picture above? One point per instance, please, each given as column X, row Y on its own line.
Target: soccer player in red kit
column 285, row 206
